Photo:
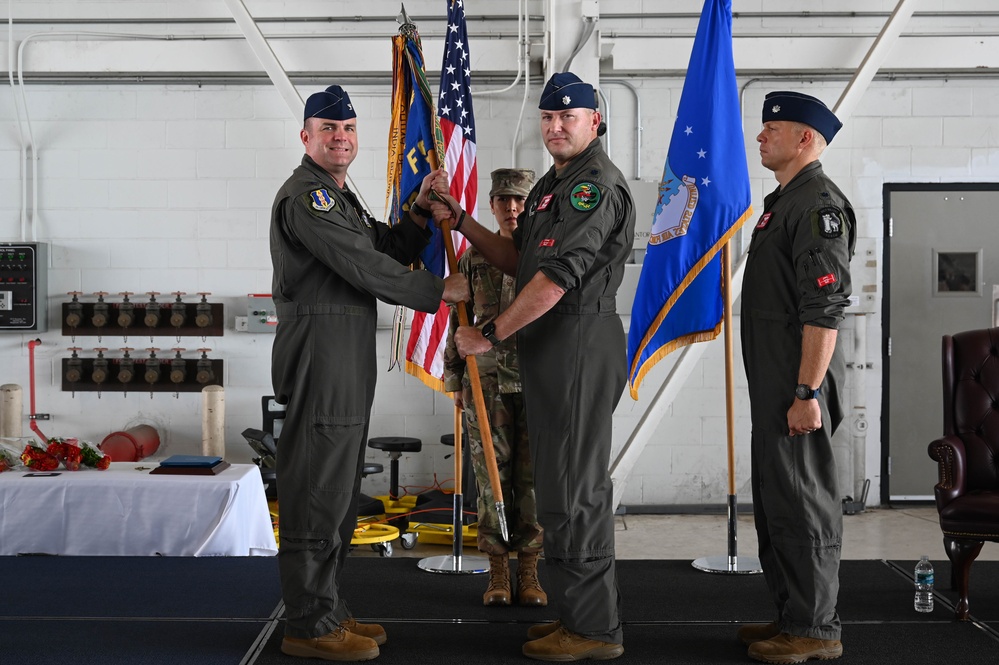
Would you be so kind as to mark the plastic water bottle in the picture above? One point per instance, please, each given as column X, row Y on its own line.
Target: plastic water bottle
column 924, row 585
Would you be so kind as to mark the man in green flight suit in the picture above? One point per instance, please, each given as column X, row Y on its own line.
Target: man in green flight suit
column 331, row 261
column 795, row 290
column 568, row 254
column 499, row 373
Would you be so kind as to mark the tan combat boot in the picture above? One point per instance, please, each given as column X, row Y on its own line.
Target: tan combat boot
column 498, row 591
column 563, row 645
column 529, row 591
column 758, row 632
column 340, row 644
column 786, row 648
column 369, row 630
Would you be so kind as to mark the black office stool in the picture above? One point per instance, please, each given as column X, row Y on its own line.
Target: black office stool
column 368, row 505
column 395, row 446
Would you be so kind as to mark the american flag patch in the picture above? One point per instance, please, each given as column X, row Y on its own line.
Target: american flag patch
column 826, row 280
column 547, row 242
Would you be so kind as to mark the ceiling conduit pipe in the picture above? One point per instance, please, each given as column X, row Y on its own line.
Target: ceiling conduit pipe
column 523, row 65
column 638, row 123
column 27, row 117
column 20, row 127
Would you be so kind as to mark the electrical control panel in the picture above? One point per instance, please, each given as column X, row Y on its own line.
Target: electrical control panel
column 24, row 287
column 261, row 315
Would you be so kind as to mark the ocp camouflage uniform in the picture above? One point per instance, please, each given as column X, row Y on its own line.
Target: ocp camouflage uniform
column 499, row 374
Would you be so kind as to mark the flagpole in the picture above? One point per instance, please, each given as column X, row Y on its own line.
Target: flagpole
column 435, row 156
column 455, row 562
column 731, row 564
column 471, row 365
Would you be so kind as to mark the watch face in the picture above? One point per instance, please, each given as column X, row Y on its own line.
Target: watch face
column 802, row 391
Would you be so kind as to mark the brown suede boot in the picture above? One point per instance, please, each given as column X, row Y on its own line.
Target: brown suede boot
column 565, row 645
column 539, row 630
column 340, row 644
column 757, row 632
column 498, row 592
column 787, row 648
column 371, row 630
column 529, row 591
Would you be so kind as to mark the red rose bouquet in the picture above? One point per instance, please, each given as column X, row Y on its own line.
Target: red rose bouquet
column 37, row 458
column 7, row 461
column 73, row 452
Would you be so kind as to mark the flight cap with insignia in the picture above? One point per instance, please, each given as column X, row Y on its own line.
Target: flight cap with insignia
column 797, row 107
column 512, row 182
column 567, row 91
column 331, row 104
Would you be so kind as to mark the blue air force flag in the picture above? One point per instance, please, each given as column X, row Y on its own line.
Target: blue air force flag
column 704, row 198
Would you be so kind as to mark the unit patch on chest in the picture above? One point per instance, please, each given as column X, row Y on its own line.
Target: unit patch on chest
column 321, row 200
column 585, row 196
column 764, row 220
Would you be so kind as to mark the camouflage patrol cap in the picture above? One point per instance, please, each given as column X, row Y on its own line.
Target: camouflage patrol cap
column 512, row 182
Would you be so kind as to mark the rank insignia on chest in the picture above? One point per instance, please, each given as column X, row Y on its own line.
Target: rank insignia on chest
column 321, row 200
column 545, row 202
column 764, row 220
column 585, row 196
column 826, row 280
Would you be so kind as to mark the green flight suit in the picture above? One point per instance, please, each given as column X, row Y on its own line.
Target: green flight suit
column 797, row 273
column 331, row 261
column 577, row 228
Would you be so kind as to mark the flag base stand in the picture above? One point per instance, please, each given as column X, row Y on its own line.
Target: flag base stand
column 455, row 563
column 733, row 564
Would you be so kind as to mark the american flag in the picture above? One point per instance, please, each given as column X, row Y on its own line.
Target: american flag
column 425, row 351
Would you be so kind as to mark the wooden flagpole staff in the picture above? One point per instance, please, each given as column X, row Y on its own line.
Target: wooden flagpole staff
column 472, row 368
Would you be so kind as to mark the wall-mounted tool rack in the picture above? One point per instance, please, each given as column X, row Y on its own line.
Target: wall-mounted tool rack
column 149, row 318
column 150, row 373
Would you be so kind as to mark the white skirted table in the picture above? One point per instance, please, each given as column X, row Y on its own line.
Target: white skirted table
column 125, row 511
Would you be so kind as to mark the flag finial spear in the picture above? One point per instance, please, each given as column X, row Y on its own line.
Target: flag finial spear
column 406, row 25
column 403, row 17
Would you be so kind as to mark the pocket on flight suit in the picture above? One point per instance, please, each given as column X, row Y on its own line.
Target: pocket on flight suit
column 335, row 456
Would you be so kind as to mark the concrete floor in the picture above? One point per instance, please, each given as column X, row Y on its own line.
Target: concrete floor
column 903, row 533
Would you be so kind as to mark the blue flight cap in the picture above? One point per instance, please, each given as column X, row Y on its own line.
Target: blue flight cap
column 796, row 107
column 331, row 104
column 567, row 91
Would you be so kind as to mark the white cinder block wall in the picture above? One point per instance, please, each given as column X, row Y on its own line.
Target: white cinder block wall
column 147, row 186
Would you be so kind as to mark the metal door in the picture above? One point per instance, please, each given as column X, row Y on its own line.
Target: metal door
column 942, row 261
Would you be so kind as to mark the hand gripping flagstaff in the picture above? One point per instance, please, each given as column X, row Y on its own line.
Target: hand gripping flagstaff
column 472, row 369
column 435, row 156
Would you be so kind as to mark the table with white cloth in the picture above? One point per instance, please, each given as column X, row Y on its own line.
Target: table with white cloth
column 125, row 511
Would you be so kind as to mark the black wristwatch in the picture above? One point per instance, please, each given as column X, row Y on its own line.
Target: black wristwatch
column 489, row 332
column 805, row 391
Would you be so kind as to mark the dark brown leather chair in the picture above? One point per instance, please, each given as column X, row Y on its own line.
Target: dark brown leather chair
column 968, row 453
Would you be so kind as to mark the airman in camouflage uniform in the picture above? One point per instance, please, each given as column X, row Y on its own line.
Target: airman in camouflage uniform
column 499, row 374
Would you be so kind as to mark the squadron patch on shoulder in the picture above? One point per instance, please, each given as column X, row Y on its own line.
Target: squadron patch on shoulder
column 321, row 200
column 585, row 196
column 829, row 222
